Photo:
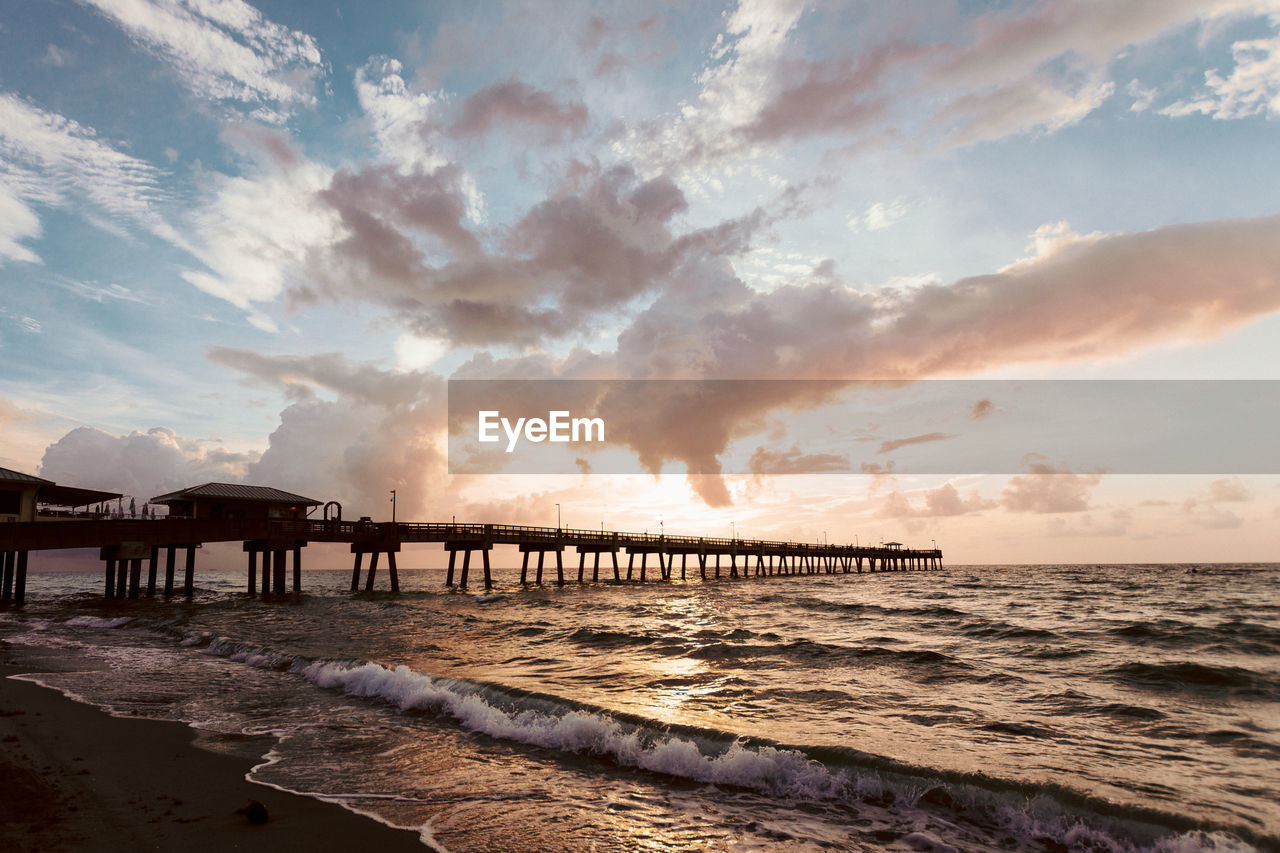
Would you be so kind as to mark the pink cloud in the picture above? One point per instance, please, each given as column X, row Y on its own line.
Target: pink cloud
column 890, row 446
column 1049, row 489
column 517, row 103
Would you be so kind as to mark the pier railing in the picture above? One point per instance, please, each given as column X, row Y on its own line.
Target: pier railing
column 124, row 544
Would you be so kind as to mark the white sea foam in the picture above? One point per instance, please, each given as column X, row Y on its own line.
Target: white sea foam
column 774, row 771
column 97, row 622
column 769, row 770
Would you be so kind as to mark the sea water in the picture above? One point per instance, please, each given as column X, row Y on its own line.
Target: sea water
column 976, row 708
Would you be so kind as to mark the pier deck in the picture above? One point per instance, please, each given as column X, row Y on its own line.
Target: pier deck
column 124, row 544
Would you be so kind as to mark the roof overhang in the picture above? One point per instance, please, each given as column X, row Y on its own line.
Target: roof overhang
column 71, row 496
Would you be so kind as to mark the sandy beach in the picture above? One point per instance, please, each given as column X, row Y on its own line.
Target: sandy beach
column 76, row 778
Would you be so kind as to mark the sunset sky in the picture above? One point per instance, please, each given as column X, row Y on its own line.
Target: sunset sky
column 252, row 242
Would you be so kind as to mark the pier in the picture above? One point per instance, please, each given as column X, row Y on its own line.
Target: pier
column 125, row 544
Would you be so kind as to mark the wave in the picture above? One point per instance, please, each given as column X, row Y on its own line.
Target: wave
column 1234, row 636
column 98, row 622
column 1195, row 677
column 1048, row 815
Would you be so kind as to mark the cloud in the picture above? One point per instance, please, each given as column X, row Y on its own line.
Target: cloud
column 1048, row 488
column 1077, row 298
column 224, row 50
column 256, row 231
column 100, row 293
column 18, row 223
column 1229, row 490
column 514, row 102
column 56, row 56
column 403, row 122
column 735, row 88
column 838, row 95
column 982, row 409
column 141, row 465
column 1034, row 104
column 769, row 462
column 944, row 501
column 879, row 216
column 602, row 239
column 1203, row 510
column 1045, row 67
column 1252, row 88
column 1115, row 523
column 362, row 382
column 11, row 413
column 890, row 446
column 383, row 431
column 48, row 159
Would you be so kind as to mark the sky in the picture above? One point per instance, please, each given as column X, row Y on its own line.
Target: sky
column 253, row 242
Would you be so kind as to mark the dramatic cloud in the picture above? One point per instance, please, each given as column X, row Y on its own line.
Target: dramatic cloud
column 224, row 49
column 603, row 239
column 364, row 383
column 141, row 465
column 383, row 431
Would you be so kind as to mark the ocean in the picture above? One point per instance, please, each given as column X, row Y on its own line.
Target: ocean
column 1098, row 708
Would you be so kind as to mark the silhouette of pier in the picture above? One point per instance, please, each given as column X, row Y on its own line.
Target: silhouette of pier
column 125, row 544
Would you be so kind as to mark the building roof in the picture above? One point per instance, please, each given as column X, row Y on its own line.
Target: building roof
column 8, row 475
column 49, row 492
column 72, row 496
column 236, row 492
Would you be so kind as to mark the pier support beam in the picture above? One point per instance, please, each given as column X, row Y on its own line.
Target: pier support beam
column 359, row 549
column 189, row 577
column 596, row 548
column 466, row 546
column 10, row 565
column 153, row 566
column 541, row 549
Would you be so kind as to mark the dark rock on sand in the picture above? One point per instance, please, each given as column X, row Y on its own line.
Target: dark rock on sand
column 255, row 812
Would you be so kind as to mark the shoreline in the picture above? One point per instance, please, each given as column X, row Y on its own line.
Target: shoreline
column 76, row 778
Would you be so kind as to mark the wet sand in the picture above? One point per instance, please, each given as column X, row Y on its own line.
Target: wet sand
column 73, row 777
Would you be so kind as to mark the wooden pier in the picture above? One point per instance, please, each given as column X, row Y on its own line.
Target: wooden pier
column 124, row 544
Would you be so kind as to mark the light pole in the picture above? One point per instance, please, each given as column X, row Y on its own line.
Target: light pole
column 935, row 544
column 733, row 530
column 662, row 528
column 855, row 541
column 393, row 506
column 557, row 516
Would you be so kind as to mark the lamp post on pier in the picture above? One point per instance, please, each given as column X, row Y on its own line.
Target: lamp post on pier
column 393, row 506
column 557, row 517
